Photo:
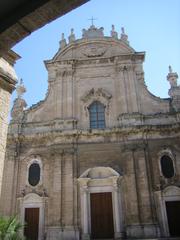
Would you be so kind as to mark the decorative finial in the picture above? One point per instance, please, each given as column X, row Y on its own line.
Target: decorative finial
column 63, row 41
column 19, row 103
column 122, row 30
column 170, row 69
column 114, row 34
column 172, row 77
column 174, row 91
column 20, row 89
column 124, row 37
column 72, row 36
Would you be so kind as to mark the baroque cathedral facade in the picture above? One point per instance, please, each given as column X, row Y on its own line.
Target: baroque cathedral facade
column 99, row 157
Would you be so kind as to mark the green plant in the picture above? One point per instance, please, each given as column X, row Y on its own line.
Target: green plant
column 10, row 229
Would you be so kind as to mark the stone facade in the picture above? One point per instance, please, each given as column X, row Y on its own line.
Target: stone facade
column 125, row 157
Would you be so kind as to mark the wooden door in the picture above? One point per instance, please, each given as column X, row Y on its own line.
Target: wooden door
column 101, row 215
column 31, row 223
column 173, row 215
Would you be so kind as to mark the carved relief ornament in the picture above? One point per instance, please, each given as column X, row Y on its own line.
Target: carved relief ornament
column 94, row 51
column 100, row 95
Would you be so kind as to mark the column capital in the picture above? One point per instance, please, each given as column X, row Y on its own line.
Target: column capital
column 83, row 182
column 116, row 180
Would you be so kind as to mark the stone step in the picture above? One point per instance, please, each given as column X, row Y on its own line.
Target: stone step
column 168, row 238
column 144, row 239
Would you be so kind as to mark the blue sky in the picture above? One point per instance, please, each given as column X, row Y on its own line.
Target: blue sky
column 152, row 26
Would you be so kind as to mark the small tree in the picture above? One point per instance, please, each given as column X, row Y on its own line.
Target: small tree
column 10, row 229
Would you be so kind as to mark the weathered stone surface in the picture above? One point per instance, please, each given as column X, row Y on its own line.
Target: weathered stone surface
column 123, row 158
column 8, row 80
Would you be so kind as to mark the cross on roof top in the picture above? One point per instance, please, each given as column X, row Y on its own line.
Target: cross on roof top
column 92, row 20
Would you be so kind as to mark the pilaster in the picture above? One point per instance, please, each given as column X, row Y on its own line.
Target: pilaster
column 84, row 207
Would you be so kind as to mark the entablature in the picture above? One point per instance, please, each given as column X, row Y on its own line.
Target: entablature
column 50, row 136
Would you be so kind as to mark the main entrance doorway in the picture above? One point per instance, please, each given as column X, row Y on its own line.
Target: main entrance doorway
column 31, row 223
column 101, row 215
column 173, row 215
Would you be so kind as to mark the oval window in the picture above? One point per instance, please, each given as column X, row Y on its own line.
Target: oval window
column 167, row 166
column 34, row 174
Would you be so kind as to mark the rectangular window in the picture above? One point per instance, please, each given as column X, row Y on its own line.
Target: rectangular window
column 97, row 115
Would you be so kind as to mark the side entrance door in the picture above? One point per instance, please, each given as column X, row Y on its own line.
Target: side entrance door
column 31, row 223
column 101, row 215
column 173, row 215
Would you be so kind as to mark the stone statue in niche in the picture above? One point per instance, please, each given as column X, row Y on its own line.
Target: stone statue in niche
column 94, row 51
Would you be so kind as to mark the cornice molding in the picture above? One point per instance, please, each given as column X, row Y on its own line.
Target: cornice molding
column 116, row 134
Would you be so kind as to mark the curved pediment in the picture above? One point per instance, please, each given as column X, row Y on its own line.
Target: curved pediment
column 32, row 198
column 93, row 48
column 99, row 172
column 171, row 191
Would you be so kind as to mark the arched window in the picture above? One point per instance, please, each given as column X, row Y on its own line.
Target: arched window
column 34, row 174
column 97, row 115
column 167, row 166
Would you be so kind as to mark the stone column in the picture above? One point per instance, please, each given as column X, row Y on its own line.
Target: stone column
column 85, row 214
column 9, row 182
column 118, row 213
column 84, row 208
column 8, row 80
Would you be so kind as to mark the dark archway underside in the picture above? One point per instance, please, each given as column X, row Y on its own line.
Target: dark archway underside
column 19, row 18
